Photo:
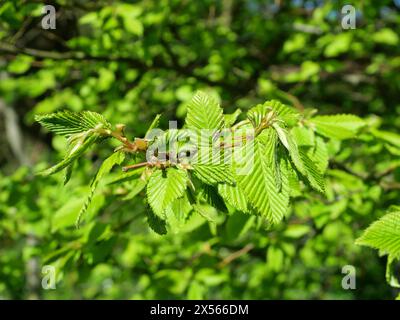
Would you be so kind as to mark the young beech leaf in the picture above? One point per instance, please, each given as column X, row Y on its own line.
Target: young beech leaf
column 115, row 159
column 281, row 134
column 178, row 213
column 164, row 187
column 153, row 125
column 128, row 176
column 213, row 174
column 383, row 234
column 135, row 188
column 314, row 146
column 258, row 113
column 66, row 215
column 157, row 224
column 303, row 136
column 305, row 165
column 68, row 173
column 230, row 119
column 234, row 196
column 283, row 168
column 68, row 122
column 206, row 211
column 77, row 150
column 278, row 169
column 280, row 109
column 204, row 113
column 319, row 154
column 293, row 180
column 339, row 127
column 210, row 195
column 259, row 184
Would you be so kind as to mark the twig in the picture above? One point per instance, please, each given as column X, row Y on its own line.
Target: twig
column 236, row 255
column 135, row 166
column 135, row 63
column 296, row 102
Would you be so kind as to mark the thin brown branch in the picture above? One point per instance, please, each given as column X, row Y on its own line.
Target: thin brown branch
column 157, row 63
column 296, row 102
column 235, row 255
column 135, row 166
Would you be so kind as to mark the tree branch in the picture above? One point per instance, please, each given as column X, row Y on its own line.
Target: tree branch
column 135, row 63
column 236, row 255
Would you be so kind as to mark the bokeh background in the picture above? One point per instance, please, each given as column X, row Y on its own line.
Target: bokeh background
column 130, row 60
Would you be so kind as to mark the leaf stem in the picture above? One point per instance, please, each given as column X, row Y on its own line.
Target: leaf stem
column 135, row 166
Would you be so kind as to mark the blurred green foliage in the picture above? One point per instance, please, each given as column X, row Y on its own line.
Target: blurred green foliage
column 130, row 60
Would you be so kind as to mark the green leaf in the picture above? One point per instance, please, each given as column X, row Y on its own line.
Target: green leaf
column 238, row 225
column 153, row 125
column 69, row 123
column 319, row 154
column 314, row 146
column 339, row 127
column 281, row 134
column 164, row 187
column 259, row 184
column 210, row 195
column 177, row 214
column 275, row 259
column 390, row 137
column 66, row 215
column 137, row 186
column 206, row 211
column 383, row 235
column 311, row 172
column 230, row 119
column 234, row 196
column 280, row 109
column 20, row 64
column 76, row 151
column 296, row 231
column 391, row 278
column 204, row 113
column 157, row 224
column 213, row 174
column 303, row 136
column 306, row 166
column 105, row 168
column 128, row 176
column 393, row 150
column 258, row 113
column 294, row 183
column 68, row 173
column 386, row 36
